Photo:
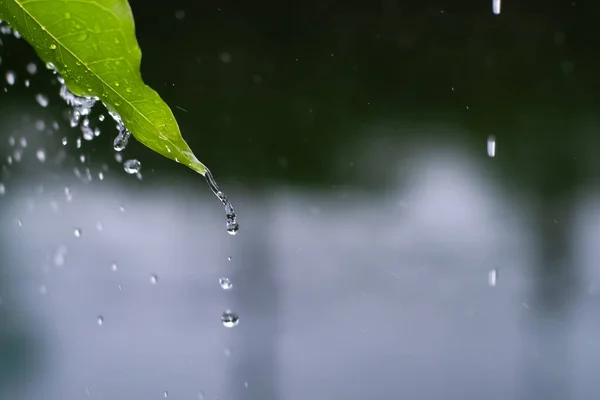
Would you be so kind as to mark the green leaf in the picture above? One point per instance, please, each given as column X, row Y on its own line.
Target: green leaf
column 93, row 46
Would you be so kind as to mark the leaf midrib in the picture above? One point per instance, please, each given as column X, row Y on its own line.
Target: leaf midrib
column 22, row 6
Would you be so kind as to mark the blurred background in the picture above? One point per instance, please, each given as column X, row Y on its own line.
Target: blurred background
column 417, row 190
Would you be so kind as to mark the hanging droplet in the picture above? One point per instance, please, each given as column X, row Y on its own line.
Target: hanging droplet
column 231, row 223
column 100, row 320
column 121, row 140
column 225, row 283
column 77, row 232
column 229, row 319
column 132, row 166
column 2, row 189
column 153, row 279
column 114, row 267
column 229, row 258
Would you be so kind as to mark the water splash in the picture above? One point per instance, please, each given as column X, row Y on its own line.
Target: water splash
column 231, row 224
column 82, row 106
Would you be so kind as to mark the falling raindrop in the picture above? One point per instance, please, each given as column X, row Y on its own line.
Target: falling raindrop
column 41, row 155
column 153, row 279
column 31, row 68
column 229, row 319
column 42, row 99
column 132, row 166
column 77, row 232
column 113, row 266
column 229, row 258
column 11, row 77
column 68, row 194
column 225, row 283
column 496, row 6
column 492, row 277
column 166, row 394
column 2, row 189
column 231, row 224
column 491, row 146
column 100, row 320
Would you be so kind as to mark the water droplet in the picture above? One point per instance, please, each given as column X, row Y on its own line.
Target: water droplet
column 23, row 142
column 2, row 189
column 229, row 258
column 52, row 46
column 68, row 194
column 41, row 155
column 101, row 117
column 492, row 277
column 41, row 99
column 491, row 146
column 229, row 319
column 77, row 232
column 31, row 68
column 121, row 140
column 81, row 105
column 496, row 6
column 225, row 57
column 132, row 166
column 153, row 279
column 51, row 67
column 40, row 125
column 64, row 141
column 67, row 15
column 99, row 227
column 11, row 77
column 26, row 82
column 101, row 175
column 100, row 320
column 113, row 266
column 166, row 394
column 231, row 223
column 225, row 283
